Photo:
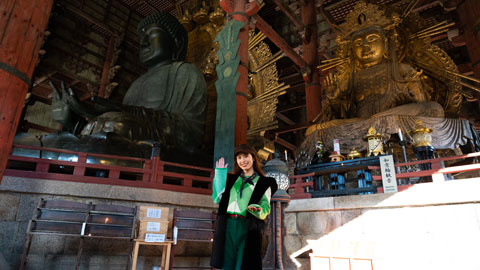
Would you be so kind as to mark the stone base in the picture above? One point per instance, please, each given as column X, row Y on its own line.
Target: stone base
column 20, row 196
column 428, row 226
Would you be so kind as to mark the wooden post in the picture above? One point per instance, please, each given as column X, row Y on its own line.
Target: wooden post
column 241, row 10
column 105, row 80
column 313, row 91
column 22, row 27
column 241, row 124
column 80, row 168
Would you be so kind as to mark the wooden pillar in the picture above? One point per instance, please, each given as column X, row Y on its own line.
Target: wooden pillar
column 241, row 124
column 313, row 90
column 469, row 15
column 241, row 10
column 105, row 80
column 22, row 26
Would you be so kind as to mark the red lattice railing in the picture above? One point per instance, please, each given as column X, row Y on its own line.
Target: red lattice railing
column 145, row 173
column 301, row 187
column 302, row 184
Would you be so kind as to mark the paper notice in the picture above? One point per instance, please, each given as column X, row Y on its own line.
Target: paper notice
column 154, row 237
column 153, row 226
column 154, row 213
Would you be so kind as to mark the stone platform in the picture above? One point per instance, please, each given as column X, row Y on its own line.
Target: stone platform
column 428, row 226
column 20, row 196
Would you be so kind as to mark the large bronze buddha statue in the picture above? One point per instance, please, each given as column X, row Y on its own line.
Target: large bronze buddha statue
column 166, row 105
column 378, row 83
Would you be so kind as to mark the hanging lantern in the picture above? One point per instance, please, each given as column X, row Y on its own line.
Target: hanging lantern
column 422, row 136
column 375, row 145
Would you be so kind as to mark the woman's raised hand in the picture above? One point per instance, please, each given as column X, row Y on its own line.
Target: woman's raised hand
column 221, row 163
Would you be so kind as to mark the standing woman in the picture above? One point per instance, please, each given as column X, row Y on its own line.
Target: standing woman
column 244, row 200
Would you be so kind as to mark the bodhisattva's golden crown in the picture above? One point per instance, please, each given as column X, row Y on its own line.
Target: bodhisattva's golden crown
column 366, row 15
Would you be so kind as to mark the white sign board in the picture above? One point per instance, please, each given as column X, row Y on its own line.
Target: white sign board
column 153, row 226
column 154, row 213
column 154, row 237
column 389, row 179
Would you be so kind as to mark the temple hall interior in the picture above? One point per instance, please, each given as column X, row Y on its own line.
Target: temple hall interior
column 115, row 115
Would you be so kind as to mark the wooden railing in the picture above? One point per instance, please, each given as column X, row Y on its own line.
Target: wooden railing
column 437, row 171
column 146, row 173
column 301, row 187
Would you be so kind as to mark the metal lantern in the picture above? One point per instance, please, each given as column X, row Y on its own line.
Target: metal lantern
column 335, row 157
column 279, row 170
column 422, row 139
column 354, row 154
column 422, row 136
column 375, row 145
column 276, row 256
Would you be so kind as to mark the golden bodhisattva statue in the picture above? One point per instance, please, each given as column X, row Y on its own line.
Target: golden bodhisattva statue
column 386, row 77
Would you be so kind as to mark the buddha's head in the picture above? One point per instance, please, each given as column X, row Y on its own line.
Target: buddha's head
column 369, row 46
column 162, row 39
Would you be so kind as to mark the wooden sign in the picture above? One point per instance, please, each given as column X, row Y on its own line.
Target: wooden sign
column 154, row 237
column 389, row 179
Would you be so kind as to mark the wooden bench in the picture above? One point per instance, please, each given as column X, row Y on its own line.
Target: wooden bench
column 192, row 226
column 74, row 219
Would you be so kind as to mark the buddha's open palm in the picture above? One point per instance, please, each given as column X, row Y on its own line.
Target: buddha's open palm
column 336, row 83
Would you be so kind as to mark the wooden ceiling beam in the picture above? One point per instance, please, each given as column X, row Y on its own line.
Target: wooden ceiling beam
column 41, row 98
column 285, row 9
column 271, row 34
column 285, row 144
column 438, row 37
column 328, row 18
column 290, row 108
column 290, row 76
column 41, row 90
column 285, row 119
column 90, row 19
column 292, row 128
column 150, row 5
column 334, row 4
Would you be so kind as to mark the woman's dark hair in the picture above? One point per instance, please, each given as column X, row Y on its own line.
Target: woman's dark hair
column 247, row 149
